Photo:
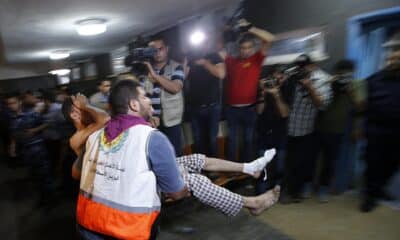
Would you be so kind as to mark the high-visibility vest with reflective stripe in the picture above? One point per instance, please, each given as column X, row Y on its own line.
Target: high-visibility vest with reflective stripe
column 118, row 191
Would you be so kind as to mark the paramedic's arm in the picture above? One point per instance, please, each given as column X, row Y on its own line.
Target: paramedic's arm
column 163, row 164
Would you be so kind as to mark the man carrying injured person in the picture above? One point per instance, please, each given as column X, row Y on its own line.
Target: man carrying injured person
column 127, row 162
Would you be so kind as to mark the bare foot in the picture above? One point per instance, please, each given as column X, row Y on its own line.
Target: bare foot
column 266, row 200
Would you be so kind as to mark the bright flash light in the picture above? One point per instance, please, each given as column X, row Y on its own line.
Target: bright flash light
column 197, row 38
column 60, row 72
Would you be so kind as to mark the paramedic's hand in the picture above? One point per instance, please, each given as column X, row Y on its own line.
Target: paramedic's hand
column 155, row 122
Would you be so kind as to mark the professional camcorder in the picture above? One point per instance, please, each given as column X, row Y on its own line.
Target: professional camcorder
column 298, row 70
column 297, row 73
column 136, row 58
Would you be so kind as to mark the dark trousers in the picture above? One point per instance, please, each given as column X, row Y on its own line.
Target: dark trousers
column 382, row 159
column 328, row 144
column 275, row 169
column 299, row 164
column 174, row 135
column 54, row 150
column 245, row 118
column 35, row 156
column 205, row 122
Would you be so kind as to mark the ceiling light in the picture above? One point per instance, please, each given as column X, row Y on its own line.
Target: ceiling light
column 60, row 72
column 59, row 54
column 197, row 38
column 89, row 27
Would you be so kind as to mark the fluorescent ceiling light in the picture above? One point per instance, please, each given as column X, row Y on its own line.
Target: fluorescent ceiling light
column 91, row 27
column 60, row 72
column 59, row 54
column 197, row 38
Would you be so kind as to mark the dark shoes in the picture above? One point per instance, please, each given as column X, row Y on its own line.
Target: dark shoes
column 368, row 204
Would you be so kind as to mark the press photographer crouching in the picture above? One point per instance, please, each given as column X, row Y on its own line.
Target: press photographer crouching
column 273, row 110
column 312, row 92
column 162, row 79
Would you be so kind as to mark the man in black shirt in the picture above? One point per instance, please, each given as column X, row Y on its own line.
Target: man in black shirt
column 382, row 130
column 203, row 98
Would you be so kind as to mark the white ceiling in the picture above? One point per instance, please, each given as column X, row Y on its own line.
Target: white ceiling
column 30, row 29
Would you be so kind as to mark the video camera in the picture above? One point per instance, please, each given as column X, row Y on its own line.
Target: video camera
column 233, row 29
column 341, row 83
column 298, row 70
column 297, row 73
column 136, row 58
column 270, row 82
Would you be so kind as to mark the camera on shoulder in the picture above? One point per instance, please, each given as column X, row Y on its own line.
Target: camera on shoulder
column 137, row 57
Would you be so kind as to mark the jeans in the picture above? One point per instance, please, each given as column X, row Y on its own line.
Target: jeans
column 174, row 135
column 205, row 122
column 245, row 118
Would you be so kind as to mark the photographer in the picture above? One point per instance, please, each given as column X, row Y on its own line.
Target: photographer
column 331, row 122
column 312, row 92
column 241, row 87
column 205, row 73
column 273, row 111
column 167, row 77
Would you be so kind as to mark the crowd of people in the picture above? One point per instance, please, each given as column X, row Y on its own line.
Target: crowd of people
column 302, row 112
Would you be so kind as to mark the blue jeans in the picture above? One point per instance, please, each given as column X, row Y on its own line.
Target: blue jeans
column 174, row 135
column 205, row 122
column 245, row 118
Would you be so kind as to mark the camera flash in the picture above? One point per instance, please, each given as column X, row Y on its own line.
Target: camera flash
column 197, row 38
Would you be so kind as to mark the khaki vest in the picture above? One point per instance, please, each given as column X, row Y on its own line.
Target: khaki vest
column 171, row 104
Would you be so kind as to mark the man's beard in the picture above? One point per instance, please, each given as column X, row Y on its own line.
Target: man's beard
column 145, row 113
